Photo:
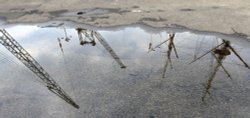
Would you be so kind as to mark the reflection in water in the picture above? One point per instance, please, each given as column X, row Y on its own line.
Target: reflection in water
column 88, row 35
column 16, row 49
column 66, row 34
column 60, row 44
column 93, row 78
column 198, row 46
column 157, row 46
column 109, row 49
column 219, row 55
column 171, row 46
column 91, row 35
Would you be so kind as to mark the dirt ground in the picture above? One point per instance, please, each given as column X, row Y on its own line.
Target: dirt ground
column 230, row 17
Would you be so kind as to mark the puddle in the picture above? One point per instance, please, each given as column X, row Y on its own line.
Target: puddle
column 118, row 72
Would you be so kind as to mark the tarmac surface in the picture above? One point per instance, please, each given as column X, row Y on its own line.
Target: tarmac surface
column 229, row 17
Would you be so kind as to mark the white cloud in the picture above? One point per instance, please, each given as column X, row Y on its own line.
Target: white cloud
column 21, row 31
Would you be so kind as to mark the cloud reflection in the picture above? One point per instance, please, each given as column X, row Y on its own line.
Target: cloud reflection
column 91, row 76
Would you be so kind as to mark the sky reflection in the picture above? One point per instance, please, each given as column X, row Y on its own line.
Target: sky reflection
column 92, row 77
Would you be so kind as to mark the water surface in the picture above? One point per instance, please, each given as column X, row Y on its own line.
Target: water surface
column 96, row 82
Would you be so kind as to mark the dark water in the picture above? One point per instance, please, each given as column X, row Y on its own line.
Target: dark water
column 96, row 82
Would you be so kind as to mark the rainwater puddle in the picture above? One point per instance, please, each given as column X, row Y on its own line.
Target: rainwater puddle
column 124, row 72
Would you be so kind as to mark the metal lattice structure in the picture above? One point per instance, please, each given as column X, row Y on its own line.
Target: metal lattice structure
column 19, row 52
column 108, row 48
column 91, row 36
